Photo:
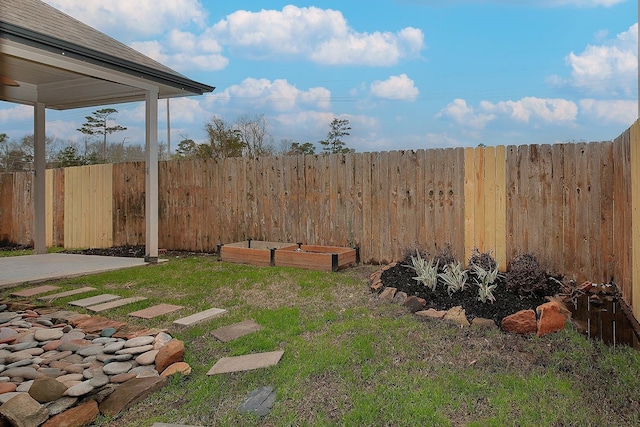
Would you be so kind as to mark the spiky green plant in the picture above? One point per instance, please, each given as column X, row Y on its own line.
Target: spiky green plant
column 426, row 270
column 455, row 277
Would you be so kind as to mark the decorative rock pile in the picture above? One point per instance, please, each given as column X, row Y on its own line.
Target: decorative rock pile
column 547, row 318
column 64, row 368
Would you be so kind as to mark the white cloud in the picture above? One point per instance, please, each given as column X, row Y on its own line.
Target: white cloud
column 184, row 51
column 612, row 111
column 609, row 68
column 465, row 115
column 134, row 18
column 16, row 113
column 527, row 3
column 278, row 95
column 545, row 109
column 319, row 35
column 395, row 87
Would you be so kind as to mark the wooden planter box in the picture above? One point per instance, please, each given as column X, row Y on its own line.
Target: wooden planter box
column 325, row 258
column 254, row 252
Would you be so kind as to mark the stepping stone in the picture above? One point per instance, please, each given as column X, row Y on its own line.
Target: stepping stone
column 98, row 299
column 156, row 310
column 246, row 363
column 35, row 291
column 67, row 293
column 113, row 304
column 258, row 402
column 235, row 331
column 200, row 317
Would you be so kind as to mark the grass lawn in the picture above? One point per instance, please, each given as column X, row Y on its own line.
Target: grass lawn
column 350, row 360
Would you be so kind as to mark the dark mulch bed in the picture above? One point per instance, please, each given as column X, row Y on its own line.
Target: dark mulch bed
column 507, row 302
column 137, row 251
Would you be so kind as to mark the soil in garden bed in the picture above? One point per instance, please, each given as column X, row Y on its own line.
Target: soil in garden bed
column 507, row 302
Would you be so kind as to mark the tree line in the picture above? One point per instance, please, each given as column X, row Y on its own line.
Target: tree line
column 248, row 136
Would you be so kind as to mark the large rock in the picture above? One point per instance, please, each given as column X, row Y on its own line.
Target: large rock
column 414, row 304
column 523, row 322
column 47, row 389
column 171, row 353
column 82, row 415
column 550, row 318
column 129, row 393
column 457, row 315
column 24, row 411
column 388, row 294
column 177, row 368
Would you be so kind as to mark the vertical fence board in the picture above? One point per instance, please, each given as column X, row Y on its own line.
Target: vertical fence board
column 605, row 242
column 556, row 243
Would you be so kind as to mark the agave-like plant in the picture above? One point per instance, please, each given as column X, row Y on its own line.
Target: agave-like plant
column 486, row 283
column 426, row 270
column 455, row 277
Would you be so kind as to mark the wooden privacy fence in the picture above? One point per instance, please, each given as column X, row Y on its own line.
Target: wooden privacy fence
column 569, row 204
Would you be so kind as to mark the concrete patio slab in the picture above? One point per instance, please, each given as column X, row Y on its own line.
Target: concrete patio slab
column 155, row 311
column 114, row 304
column 17, row 270
column 200, row 317
column 64, row 294
column 98, row 299
column 235, row 331
column 35, row 291
column 246, row 363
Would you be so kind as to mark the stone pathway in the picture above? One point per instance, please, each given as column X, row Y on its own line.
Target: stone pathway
column 98, row 299
column 235, row 331
column 246, row 363
column 70, row 293
column 200, row 317
column 35, row 291
column 155, row 311
column 114, row 304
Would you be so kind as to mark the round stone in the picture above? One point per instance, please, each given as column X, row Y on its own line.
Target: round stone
column 139, row 341
column 70, row 377
column 90, row 350
column 7, row 334
column 104, row 340
column 72, row 335
column 122, row 378
column 145, row 372
column 17, row 357
column 147, row 358
column 135, row 350
column 108, row 332
column 161, row 340
column 113, row 347
column 115, row 368
column 7, row 388
column 79, row 389
column 48, row 334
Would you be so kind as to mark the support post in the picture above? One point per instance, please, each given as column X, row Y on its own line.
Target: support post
column 151, row 181
column 40, row 165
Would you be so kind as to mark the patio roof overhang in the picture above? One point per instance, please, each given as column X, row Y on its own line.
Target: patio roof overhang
column 77, row 67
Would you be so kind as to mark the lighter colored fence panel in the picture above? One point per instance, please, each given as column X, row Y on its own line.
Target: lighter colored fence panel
column 88, row 207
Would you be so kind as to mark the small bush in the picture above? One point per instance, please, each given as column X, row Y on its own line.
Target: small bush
column 445, row 256
column 484, row 260
column 525, row 275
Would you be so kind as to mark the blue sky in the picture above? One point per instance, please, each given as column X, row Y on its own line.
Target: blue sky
column 407, row 74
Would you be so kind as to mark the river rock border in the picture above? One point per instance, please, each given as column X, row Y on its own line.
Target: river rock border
column 546, row 318
column 61, row 367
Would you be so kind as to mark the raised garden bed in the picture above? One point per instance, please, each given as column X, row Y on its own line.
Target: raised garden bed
column 254, row 252
column 313, row 257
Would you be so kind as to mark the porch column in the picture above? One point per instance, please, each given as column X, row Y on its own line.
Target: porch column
column 40, row 164
column 151, row 159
